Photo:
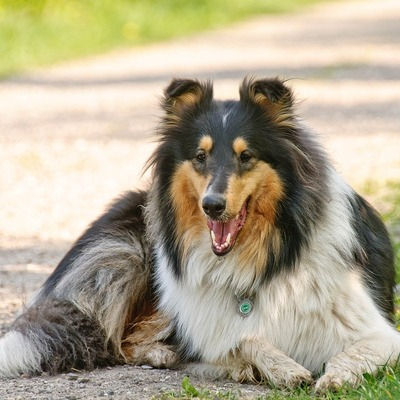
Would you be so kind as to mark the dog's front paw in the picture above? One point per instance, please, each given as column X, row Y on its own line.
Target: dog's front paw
column 286, row 376
column 328, row 382
column 333, row 380
column 289, row 374
column 245, row 372
column 272, row 365
column 161, row 356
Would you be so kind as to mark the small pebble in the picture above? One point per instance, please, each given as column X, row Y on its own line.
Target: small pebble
column 72, row 377
column 108, row 393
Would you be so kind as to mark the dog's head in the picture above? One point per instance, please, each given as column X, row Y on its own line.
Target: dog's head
column 229, row 166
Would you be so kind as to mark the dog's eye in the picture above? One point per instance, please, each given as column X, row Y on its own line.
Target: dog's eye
column 245, row 156
column 201, row 156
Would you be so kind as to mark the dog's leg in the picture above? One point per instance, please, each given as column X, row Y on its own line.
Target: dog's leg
column 270, row 363
column 145, row 345
column 364, row 356
column 255, row 360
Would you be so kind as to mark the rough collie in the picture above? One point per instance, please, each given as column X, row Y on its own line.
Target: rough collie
column 248, row 256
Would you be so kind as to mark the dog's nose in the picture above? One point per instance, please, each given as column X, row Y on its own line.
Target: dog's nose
column 214, row 205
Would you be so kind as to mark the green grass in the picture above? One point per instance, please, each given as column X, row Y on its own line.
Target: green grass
column 386, row 385
column 188, row 391
column 41, row 32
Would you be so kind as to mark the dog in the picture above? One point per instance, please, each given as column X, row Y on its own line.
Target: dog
column 248, row 256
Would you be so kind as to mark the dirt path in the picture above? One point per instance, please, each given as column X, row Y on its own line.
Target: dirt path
column 74, row 136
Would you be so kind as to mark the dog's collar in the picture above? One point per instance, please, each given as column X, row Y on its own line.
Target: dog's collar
column 245, row 304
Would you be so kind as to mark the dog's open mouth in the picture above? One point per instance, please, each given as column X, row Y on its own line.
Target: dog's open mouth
column 224, row 233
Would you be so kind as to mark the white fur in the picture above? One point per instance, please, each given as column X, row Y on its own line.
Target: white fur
column 18, row 355
column 225, row 117
column 321, row 313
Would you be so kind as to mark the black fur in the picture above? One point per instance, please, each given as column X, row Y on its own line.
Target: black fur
column 376, row 258
column 71, row 338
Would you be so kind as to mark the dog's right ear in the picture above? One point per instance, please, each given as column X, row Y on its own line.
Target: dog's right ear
column 183, row 95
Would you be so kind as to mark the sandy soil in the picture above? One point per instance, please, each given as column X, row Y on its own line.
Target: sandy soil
column 74, row 136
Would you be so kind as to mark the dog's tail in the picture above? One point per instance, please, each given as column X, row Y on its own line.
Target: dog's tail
column 18, row 355
column 53, row 336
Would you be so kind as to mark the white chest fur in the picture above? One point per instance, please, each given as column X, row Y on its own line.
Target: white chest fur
column 310, row 315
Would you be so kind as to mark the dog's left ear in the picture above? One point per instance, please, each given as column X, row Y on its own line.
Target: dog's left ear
column 183, row 95
column 271, row 95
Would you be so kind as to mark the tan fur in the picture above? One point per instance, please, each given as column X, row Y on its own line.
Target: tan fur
column 186, row 189
column 265, row 189
column 144, row 345
column 280, row 110
column 271, row 108
column 178, row 105
column 239, row 145
column 206, row 143
column 187, row 100
column 262, row 184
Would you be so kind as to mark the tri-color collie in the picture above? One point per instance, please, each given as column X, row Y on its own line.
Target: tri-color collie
column 248, row 256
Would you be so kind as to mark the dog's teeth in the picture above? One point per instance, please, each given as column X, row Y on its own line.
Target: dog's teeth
column 223, row 246
column 237, row 216
column 213, row 236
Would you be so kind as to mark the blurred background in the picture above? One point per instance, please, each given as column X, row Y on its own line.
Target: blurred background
column 40, row 32
column 81, row 81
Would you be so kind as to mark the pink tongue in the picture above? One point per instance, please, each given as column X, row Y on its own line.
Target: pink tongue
column 222, row 229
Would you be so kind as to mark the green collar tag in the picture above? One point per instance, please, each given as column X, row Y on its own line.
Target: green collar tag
column 245, row 307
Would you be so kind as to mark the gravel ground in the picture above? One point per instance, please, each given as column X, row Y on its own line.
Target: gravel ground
column 73, row 136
